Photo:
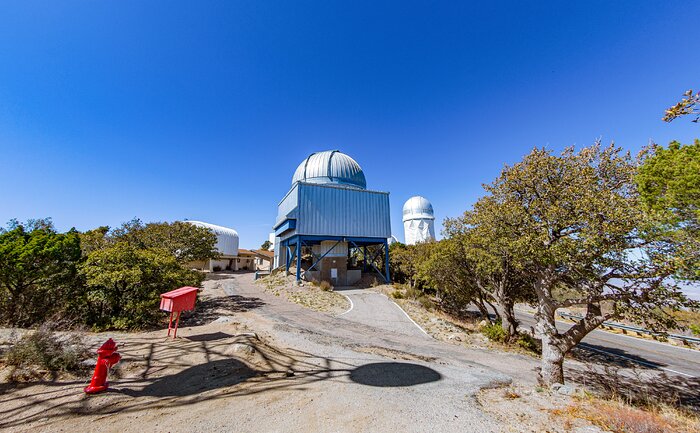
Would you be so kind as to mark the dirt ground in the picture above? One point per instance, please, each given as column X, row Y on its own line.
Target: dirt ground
column 307, row 295
column 253, row 361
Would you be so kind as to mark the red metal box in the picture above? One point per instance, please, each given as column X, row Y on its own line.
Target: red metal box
column 178, row 300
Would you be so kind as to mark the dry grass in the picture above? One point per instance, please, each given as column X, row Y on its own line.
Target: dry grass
column 618, row 417
column 317, row 296
column 510, row 394
column 273, row 281
column 44, row 353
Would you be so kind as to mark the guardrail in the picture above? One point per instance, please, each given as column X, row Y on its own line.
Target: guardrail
column 684, row 338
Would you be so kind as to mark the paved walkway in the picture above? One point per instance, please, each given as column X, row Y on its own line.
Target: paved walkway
column 374, row 309
column 375, row 322
column 372, row 368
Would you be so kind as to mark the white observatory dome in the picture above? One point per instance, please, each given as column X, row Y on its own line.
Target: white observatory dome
column 417, row 207
column 226, row 238
column 418, row 220
column 330, row 167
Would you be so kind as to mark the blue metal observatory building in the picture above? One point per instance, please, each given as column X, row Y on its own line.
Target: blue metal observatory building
column 328, row 217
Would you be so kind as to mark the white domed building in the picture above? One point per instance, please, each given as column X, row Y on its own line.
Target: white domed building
column 418, row 220
column 328, row 213
column 227, row 246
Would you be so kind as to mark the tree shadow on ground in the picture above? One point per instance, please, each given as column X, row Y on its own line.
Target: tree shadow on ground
column 390, row 374
column 157, row 372
column 210, row 309
column 640, row 386
column 225, row 373
column 197, row 379
column 611, row 356
column 616, row 373
column 212, row 336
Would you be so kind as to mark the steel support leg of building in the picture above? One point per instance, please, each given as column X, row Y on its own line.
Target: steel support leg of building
column 298, row 259
column 289, row 256
column 386, row 261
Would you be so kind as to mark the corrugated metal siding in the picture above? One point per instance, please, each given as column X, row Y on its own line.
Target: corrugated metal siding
column 288, row 205
column 332, row 211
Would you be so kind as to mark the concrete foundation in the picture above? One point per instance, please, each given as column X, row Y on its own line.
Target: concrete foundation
column 334, row 270
column 353, row 276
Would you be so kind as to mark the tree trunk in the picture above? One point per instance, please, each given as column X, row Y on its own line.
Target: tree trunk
column 504, row 308
column 552, row 366
column 482, row 309
column 494, row 309
column 507, row 316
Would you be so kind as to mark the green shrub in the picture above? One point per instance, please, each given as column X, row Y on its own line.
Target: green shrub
column 107, row 279
column 425, row 302
column 495, row 332
column 124, row 283
column 528, row 342
column 326, row 286
column 37, row 272
column 397, row 294
column 695, row 329
column 45, row 350
column 412, row 293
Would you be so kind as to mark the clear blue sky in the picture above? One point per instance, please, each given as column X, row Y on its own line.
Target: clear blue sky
column 202, row 110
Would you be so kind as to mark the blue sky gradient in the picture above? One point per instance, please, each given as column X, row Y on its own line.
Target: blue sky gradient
column 202, row 110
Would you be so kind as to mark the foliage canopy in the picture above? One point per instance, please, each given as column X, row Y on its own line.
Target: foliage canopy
column 37, row 267
column 106, row 279
column 688, row 105
column 669, row 187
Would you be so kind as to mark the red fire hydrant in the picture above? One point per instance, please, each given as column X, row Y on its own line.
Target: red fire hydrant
column 107, row 356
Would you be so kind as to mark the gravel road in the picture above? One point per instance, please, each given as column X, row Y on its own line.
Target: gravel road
column 251, row 361
column 391, row 375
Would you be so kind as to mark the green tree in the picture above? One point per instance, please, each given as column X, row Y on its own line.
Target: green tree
column 186, row 242
column 37, row 271
column 578, row 220
column 405, row 262
column 669, row 187
column 497, row 275
column 266, row 245
column 688, row 105
column 123, row 284
column 449, row 271
column 94, row 239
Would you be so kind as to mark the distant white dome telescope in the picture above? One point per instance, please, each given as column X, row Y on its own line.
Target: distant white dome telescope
column 418, row 220
column 330, row 167
column 226, row 238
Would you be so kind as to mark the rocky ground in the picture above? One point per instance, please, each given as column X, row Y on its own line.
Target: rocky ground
column 305, row 294
column 250, row 360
